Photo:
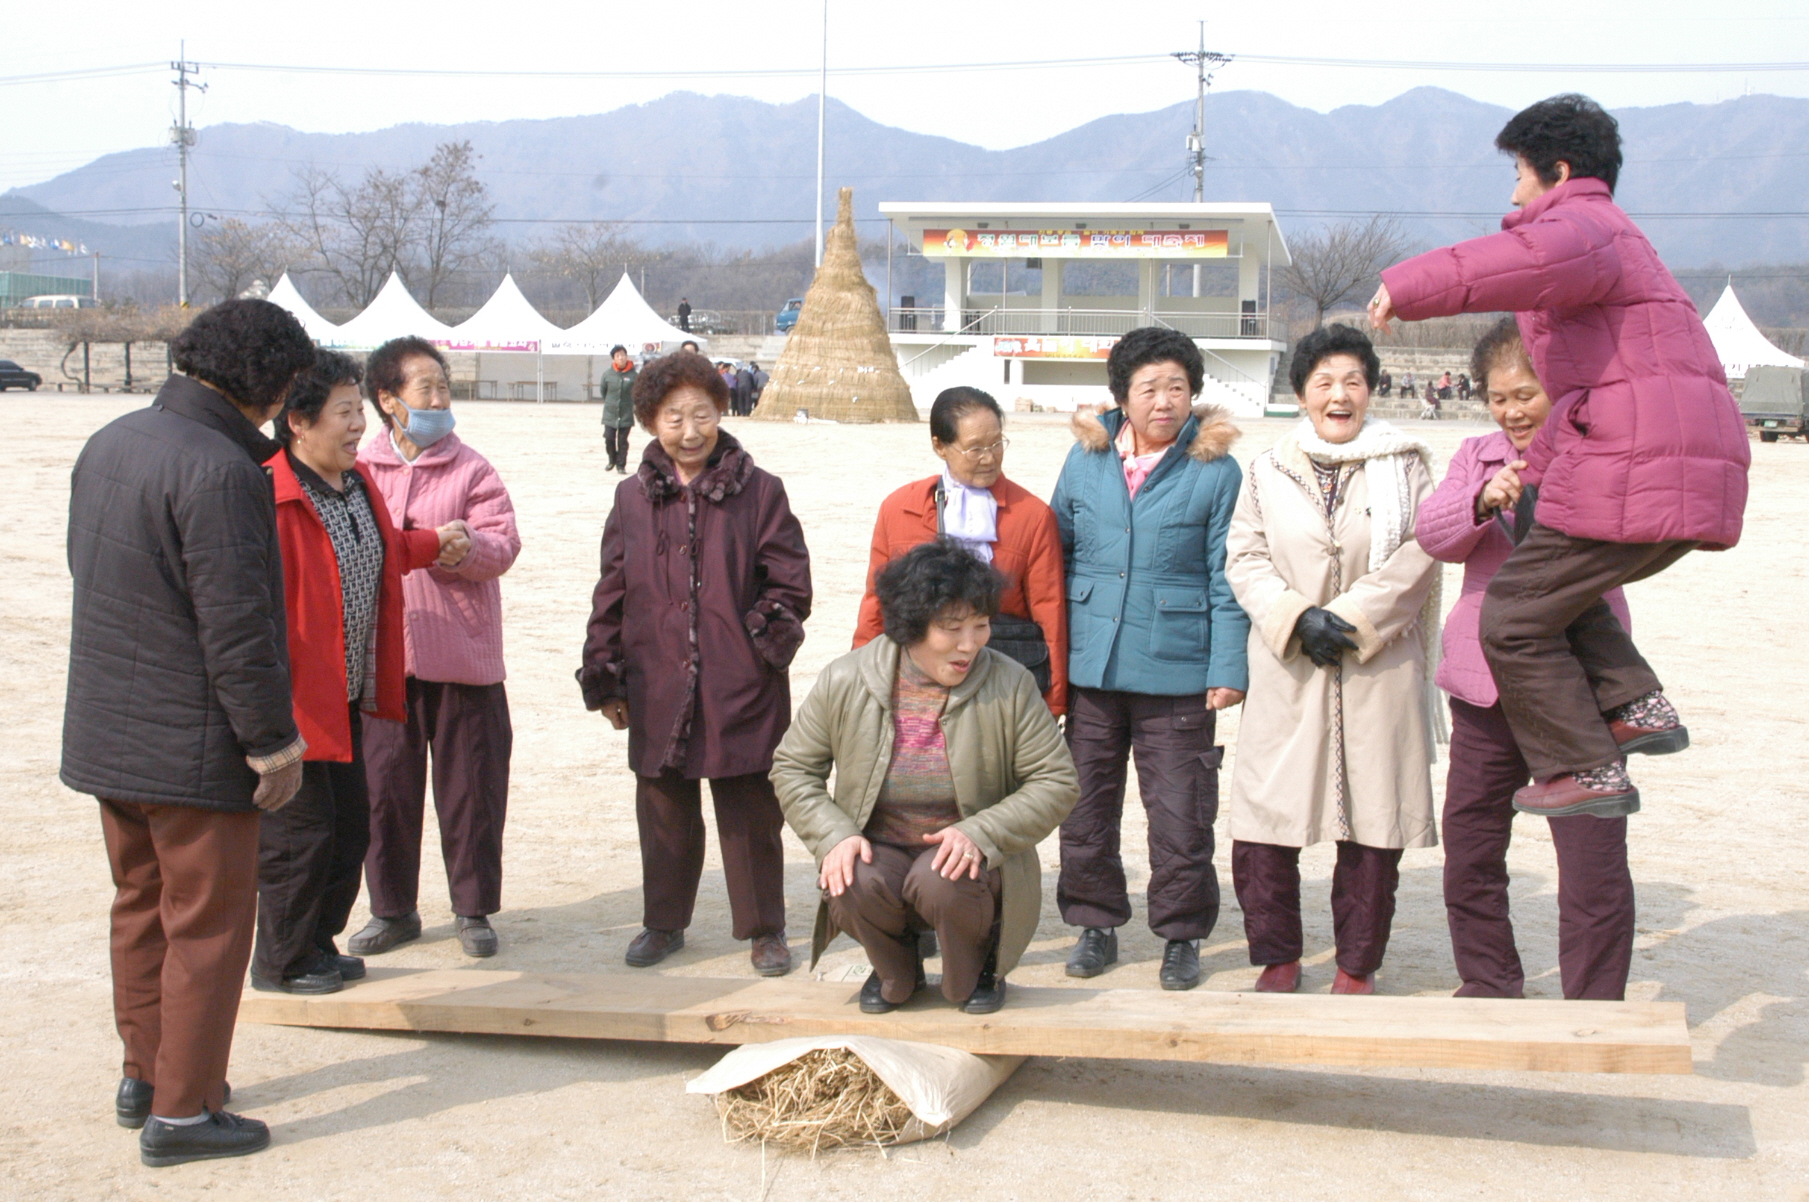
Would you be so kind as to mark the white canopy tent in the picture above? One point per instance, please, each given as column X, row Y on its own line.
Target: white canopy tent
column 507, row 322
column 393, row 313
column 1738, row 342
column 319, row 328
column 623, row 319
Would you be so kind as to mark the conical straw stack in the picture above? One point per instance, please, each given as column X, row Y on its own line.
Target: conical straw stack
column 838, row 362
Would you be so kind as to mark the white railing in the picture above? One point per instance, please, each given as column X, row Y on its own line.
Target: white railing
column 1093, row 322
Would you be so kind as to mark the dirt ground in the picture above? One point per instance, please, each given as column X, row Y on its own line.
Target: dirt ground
column 1717, row 855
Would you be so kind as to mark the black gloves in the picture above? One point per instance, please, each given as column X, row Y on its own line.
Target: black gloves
column 1324, row 636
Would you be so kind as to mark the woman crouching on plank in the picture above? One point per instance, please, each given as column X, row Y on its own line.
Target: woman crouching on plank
column 1336, row 740
column 949, row 770
column 1643, row 460
column 1469, row 520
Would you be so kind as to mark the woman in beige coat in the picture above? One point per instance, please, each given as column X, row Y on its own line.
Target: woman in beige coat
column 949, row 770
column 1337, row 732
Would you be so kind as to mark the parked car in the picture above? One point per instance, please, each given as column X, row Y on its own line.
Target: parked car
column 1774, row 401
column 707, row 321
column 59, row 302
column 788, row 315
column 14, row 376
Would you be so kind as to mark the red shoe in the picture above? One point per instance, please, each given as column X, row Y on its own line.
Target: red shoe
column 1649, row 740
column 1279, row 978
column 1562, row 796
column 1346, row 983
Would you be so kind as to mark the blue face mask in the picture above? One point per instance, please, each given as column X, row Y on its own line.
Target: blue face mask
column 427, row 426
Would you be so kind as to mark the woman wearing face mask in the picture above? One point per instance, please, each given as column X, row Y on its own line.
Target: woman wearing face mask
column 457, row 706
column 974, row 504
column 343, row 565
column 1336, row 739
column 1470, row 520
column 699, row 609
column 949, row 770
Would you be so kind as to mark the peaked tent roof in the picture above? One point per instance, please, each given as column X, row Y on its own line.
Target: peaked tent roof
column 392, row 313
column 507, row 322
column 625, row 319
column 286, row 294
column 1738, row 342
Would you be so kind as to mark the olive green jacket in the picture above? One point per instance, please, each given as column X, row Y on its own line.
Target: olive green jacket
column 617, row 390
column 1014, row 779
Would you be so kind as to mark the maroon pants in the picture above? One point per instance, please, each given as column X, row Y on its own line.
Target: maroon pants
column 1559, row 656
column 669, row 811
column 1178, row 779
column 901, row 894
column 466, row 728
column 1595, row 889
column 184, row 909
column 1267, row 879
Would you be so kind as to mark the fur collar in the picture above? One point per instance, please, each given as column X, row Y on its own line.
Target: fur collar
column 727, row 473
column 1212, row 438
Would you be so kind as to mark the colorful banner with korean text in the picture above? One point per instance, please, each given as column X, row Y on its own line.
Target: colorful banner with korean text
column 1078, row 244
column 1053, row 346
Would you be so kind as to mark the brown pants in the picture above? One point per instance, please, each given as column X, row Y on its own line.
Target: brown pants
column 184, row 908
column 1267, row 879
column 466, row 727
column 310, row 864
column 1595, row 889
column 1559, row 656
column 749, row 823
column 1178, row 779
column 899, row 895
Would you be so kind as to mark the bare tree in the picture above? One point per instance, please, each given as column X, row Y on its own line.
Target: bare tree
column 230, row 256
column 455, row 216
column 357, row 235
column 589, row 254
column 1333, row 264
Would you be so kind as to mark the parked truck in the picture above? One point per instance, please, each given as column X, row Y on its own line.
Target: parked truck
column 1774, row 401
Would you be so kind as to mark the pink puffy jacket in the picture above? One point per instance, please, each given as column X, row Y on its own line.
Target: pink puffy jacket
column 1645, row 443
column 1447, row 530
column 452, row 616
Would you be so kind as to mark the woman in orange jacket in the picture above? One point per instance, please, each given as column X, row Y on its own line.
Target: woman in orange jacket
column 973, row 504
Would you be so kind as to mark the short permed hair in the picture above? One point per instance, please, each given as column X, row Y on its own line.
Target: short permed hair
column 953, row 404
column 1565, row 129
column 383, row 370
column 309, row 393
column 660, row 378
column 1499, row 347
column 251, row 350
column 929, row 581
column 1326, row 341
column 1153, row 344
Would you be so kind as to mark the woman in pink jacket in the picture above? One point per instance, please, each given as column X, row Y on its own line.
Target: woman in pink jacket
column 1644, row 458
column 457, row 707
column 1469, row 520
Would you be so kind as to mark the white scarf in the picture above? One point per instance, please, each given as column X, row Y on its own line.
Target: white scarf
column 970, row 516
column 1385, row 451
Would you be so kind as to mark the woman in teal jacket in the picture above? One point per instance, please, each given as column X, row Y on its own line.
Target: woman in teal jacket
column 1156, row 646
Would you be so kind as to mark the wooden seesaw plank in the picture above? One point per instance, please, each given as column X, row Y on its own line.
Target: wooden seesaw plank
column 1135, row 1024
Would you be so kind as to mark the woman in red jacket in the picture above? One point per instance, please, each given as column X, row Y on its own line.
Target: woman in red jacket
column 343, row 562
column 973, row 503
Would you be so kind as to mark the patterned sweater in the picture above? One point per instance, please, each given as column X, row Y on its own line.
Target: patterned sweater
column 918, row 796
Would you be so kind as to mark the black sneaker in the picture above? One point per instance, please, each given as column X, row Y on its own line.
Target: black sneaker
column 1094, row 952
column 1180, row 964
column 160, row 1144
column 381, row 934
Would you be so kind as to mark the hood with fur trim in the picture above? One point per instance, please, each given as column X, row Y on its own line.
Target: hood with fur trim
column 1212, row 438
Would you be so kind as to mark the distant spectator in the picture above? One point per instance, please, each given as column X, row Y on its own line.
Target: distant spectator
column 684, row 316
column 688, row 345
column 744, row 389
column 1385, row 384
column 1463, row 387
column 1407, row 385
column 758, row 387
column 616, row 389
column 1429, row 410
column 1445, row 386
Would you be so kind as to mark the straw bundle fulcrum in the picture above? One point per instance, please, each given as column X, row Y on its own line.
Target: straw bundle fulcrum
column 826, row 1098
column 838, row 362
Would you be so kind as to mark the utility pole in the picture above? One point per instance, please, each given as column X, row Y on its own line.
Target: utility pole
column 183, row 135
column 822, row 100
column 1196, row 141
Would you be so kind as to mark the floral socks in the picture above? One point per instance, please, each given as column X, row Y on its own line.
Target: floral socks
column 1651, row 712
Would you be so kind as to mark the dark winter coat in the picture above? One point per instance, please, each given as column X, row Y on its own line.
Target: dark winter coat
column 617, row 390
column 178, row 655
column 697, row 614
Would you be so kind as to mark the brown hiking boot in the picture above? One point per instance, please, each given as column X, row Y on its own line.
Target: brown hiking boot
column 651, row 946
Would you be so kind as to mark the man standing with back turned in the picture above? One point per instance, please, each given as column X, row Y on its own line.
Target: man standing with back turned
column 178, row 718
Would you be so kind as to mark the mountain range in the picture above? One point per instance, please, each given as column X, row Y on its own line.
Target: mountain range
column 739, row 173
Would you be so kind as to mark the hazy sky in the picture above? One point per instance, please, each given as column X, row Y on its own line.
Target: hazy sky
column 54, row 126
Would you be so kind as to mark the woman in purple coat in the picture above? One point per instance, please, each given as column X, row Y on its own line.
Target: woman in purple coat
column 1469, row 520
column 700, row 608
column 1643, row 460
